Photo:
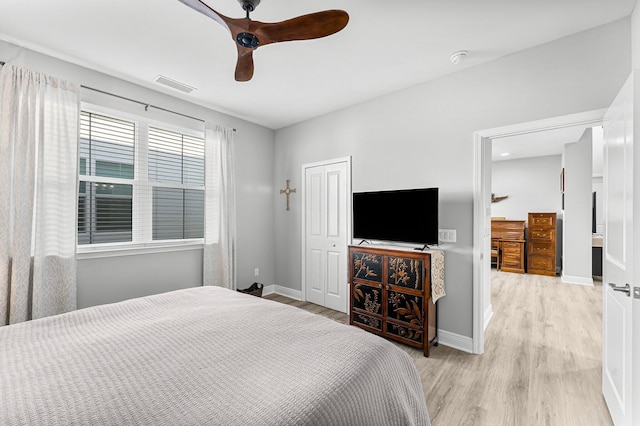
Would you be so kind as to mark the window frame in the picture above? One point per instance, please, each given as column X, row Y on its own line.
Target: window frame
column 142, row 203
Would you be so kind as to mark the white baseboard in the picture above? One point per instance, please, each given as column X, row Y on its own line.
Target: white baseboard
column 488, row 314
column 455, row 341
column 282, row 291
column 577, row 280
column 268, row 289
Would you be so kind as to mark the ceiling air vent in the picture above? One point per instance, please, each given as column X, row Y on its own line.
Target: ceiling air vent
column 174, row 84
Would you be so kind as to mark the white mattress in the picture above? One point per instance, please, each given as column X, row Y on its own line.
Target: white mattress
column 203, row 356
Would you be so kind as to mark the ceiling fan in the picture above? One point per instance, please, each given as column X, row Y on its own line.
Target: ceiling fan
column 249, row 35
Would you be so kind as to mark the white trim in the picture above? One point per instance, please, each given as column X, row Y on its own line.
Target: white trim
column 96, row 251
column 303, row 203
column 133, row 112
column 480, row 138
column 488, row 314
column 587, row 118
column 478, row 242
column 268, row 289
column 568, row 279
column 455, row 341
column 327, row 162
column 282, row 291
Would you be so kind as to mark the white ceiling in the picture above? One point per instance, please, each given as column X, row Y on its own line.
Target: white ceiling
column 387, row 45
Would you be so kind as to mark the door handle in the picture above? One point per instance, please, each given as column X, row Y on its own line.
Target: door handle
column 626, row 289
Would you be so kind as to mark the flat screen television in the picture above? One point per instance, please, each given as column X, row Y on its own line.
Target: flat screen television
column 408, row 215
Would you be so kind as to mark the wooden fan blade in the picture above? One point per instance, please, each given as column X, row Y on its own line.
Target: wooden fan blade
column 249, row 34
column 203, row 8
column 244, row 66
column 305, row 27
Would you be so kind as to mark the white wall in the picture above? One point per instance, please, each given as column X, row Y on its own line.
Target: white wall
column 576, row 240
column 423, row 137
column 117, row 278
column 597, row 185
column 532, row 184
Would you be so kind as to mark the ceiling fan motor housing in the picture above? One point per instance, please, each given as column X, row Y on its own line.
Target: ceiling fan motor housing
column 249, row 5
column 247, row 40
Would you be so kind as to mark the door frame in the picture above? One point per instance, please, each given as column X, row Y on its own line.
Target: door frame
column 303, row 201
column 481, row 260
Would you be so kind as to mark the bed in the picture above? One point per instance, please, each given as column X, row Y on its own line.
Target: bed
column 203, row 356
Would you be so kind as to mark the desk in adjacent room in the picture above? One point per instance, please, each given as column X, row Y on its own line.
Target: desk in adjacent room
column 509, row 235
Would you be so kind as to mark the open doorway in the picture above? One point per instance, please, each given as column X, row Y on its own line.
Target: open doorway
column 482, row 205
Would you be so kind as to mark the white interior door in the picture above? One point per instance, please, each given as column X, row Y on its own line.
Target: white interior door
column 327, row 212
column 618, row 323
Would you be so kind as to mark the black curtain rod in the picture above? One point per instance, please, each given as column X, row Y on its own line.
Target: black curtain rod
column 146, row 105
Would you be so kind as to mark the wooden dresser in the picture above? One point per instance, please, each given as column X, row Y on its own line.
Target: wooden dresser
column 541, row 254
column 509, row 234
column 391, row 295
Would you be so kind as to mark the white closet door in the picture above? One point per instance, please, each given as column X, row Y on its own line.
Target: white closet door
column 327, row 234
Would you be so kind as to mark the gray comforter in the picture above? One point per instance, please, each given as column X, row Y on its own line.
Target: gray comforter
column 203, row 356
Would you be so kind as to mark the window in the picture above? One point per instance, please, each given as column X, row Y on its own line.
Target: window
column 106, row 170
column 176, row 170
column 139, row 182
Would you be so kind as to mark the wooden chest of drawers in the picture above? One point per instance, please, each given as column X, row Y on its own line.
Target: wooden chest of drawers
column 541, row 253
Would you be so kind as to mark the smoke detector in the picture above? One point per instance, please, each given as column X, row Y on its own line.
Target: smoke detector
column 458, row 56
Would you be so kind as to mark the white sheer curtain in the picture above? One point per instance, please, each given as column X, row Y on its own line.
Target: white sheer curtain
column 220, row 209
column 38, row 194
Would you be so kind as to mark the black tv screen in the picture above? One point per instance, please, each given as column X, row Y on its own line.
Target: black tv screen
column 409, row 215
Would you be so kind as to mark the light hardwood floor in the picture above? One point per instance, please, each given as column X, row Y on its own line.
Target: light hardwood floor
column 542, row 360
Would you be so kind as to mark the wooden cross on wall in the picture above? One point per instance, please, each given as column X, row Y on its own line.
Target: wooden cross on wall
column 287, row 191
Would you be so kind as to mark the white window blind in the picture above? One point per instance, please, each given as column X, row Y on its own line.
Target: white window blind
column 138, row 182
column 106, row 168
column 176, row 170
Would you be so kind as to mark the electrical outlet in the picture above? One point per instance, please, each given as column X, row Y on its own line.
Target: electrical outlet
column 256, row 272
column 447, row 235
